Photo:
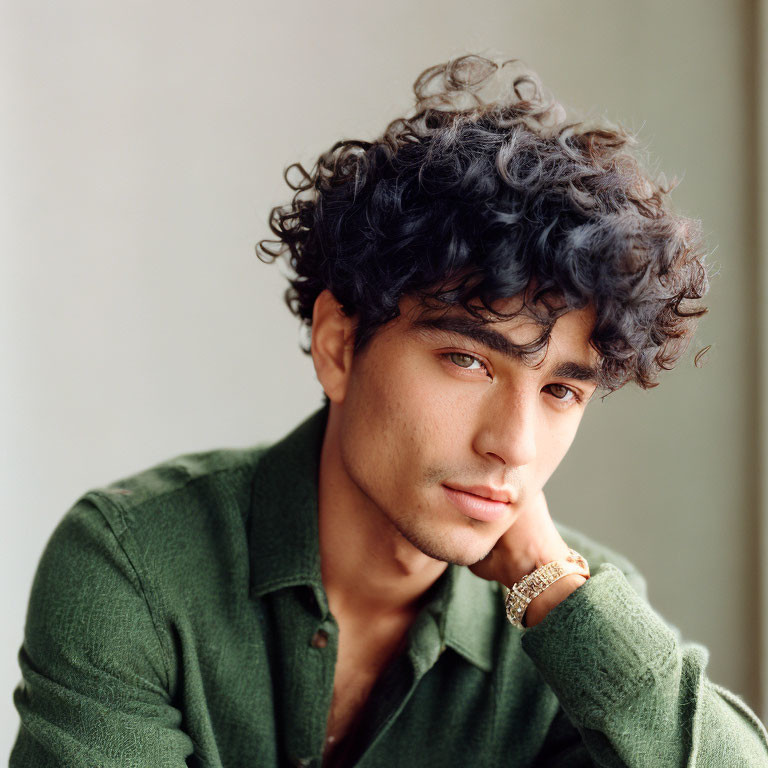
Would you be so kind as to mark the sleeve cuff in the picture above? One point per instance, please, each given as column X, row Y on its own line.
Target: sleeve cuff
column 600, row 644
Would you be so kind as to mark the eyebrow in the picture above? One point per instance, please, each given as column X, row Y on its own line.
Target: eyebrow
column 487, row 337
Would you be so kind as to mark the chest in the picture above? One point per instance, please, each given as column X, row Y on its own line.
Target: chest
column 361, row 659
column 262, row 704
column 351, row 690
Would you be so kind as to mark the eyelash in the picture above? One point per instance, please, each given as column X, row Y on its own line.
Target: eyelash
column 575, row 399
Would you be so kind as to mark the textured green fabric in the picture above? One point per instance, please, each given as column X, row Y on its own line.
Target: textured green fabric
column 171, row 619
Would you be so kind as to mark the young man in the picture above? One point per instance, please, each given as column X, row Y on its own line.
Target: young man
column 385, row 584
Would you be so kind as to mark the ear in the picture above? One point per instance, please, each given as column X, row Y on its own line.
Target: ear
column 331, row 345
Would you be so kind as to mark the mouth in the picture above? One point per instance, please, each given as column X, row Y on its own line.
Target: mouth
column 475, row 506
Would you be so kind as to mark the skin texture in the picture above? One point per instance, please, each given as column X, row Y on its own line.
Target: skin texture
column 415, row 410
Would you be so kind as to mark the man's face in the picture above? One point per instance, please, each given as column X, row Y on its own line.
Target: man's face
column 428, row 409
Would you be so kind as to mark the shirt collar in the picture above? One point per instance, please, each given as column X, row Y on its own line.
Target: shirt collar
column 285, row 550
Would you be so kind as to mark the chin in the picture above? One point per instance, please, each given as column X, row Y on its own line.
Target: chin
column 467, row 548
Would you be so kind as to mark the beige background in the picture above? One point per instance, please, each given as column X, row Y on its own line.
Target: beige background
column 143, row 145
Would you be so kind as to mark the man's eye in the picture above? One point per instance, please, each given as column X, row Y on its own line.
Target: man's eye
column 561, row 392
column 465, row 361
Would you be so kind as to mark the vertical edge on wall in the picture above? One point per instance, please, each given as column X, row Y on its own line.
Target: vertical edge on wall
column 758, row 11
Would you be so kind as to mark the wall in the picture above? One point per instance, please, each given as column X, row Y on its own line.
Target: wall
column 143, row 147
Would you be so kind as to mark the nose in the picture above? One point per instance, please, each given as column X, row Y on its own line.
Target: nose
column 508, row 429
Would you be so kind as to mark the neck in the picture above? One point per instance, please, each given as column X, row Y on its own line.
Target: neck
column 369, row 569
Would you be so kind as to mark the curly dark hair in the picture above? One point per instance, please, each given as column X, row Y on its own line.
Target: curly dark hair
column 473, row 199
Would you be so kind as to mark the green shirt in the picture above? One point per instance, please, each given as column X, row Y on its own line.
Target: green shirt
column 178, row 618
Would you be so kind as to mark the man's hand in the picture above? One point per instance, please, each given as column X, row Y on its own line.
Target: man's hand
column 531, row 541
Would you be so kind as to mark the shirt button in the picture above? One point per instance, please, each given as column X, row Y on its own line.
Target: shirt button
column 320, row 639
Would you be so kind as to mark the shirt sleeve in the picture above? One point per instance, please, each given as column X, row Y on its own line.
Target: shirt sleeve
column 636, row 695
column 95, row 676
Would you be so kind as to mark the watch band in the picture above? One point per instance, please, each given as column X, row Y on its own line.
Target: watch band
column 535, row 583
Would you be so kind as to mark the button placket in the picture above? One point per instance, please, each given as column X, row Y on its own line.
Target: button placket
column 307, row 677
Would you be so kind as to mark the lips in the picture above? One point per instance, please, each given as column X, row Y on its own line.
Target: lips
column 475, row 506
column 484, row 491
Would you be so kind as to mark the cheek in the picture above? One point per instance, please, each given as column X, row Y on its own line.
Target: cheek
column 405, row 417
column 401, row 423
column 428, row 420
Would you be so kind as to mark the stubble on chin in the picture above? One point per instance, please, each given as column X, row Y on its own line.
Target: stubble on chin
column 439, row 547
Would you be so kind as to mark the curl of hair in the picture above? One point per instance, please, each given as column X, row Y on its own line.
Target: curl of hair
column 486, row 192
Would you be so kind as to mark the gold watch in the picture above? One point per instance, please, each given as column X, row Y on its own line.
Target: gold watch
column 535, row 583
